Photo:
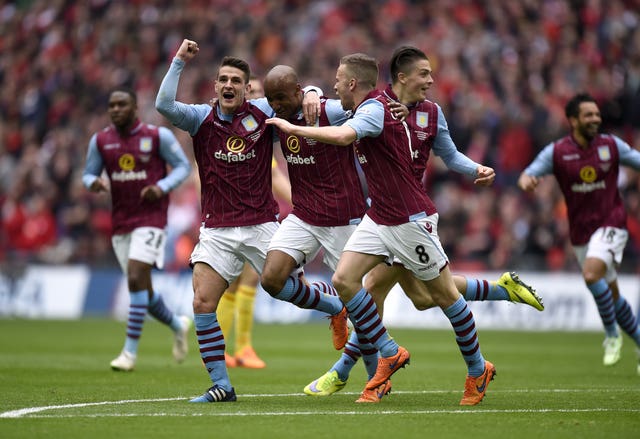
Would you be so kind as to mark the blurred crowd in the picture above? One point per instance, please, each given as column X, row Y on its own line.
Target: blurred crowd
column 503, row 70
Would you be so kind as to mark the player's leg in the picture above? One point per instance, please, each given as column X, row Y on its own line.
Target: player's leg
column 135, row 257
column 508, row 287
column 227, row 317
column 291, row 244
column 418, row 247
column 139, row 283
column 366, row 320
column 208, row 287
column 378, row 282
column 598, row 260
column 414, row 289
column 617, row 240
column 454, row 306
column 215, row 265
column 593, row 272
column 245, row 354
column 147, row 249
column 363, row 251
column 625, row 317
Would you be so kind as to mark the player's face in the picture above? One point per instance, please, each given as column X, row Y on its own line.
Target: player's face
column 122, row 109
column 589, row 120
column 417, row 81
column 256, row 90
column 343, row 88
column 230, row 87
column 285, row 99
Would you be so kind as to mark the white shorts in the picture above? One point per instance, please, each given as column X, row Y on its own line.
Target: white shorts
column 302, row 241
column 144, row 244
column 225, row 249
column 606, row 244
column 415, row 244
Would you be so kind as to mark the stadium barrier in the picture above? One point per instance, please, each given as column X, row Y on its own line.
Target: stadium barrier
column 72, row 292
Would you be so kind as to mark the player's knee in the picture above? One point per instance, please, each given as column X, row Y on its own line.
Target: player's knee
column 272, row 282
column 202, row 306
column 422, row 303
column 136, row 282
column 340, row 282
column 370, row 283
column 591, row 276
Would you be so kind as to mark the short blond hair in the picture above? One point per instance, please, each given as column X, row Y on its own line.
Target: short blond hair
column 362, row 67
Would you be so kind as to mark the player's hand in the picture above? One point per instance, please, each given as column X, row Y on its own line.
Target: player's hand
column 399, row 111
column 151, row 193
column 527, row 183
column 311, row 107
column 485, row 176
column 280, row 124
column 187, row 50
column 99, row 185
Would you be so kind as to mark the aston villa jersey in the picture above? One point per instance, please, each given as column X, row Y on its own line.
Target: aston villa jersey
column 133, row 162
column 588, row 179
column 234, row 164
column 325, row 187
column 388, row 163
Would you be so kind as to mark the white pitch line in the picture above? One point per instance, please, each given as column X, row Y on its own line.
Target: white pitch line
column 334, row 413
column 33, row 410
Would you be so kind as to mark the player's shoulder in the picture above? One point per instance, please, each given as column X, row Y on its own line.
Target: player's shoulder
column 428, row 103
column 149, row 127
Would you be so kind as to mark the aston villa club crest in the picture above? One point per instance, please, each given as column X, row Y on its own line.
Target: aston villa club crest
column 249, row 123
column 145, row 144
column 604, row 153
column 422, row 119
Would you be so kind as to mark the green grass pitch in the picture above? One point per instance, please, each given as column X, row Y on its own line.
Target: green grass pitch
column 55, row 382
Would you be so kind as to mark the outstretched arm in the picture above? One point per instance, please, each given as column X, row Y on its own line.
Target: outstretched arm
column 528, row 183
column 541, row 165
column 485, row 176
column 340, row 135
column 183, row 116
column 444, row 148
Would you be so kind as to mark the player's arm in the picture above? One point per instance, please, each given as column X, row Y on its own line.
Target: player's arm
column 311, row 104
column 280, row 185
column 335, row 135
column 541, row 165
column 628, row 156
column 186, row 117
column 398, row 109
column 172, row 153
column 367, row 121
column 93, row 168
column 445, row 148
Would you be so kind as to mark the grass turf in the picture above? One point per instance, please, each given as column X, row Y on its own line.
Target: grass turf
column 56, row 382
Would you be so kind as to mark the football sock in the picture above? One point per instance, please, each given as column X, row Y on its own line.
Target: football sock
column 363, row 313
column 369, row 355
column 325, row 288
column 348, row 358
column 158, row 309
column 627, row 321
column 464, row 326
column 211, row 343
column 604, row 300
column 226, row 312
column 139, row 301
column 309, row 297
column 482, row 289
column 245, row 301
